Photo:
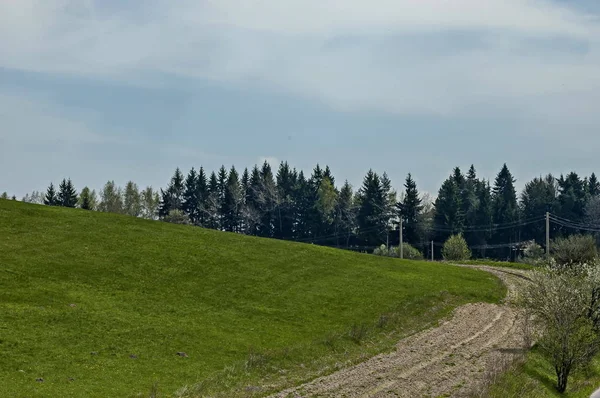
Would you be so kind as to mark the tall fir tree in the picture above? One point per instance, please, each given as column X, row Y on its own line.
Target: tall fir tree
column 202, row 196
column 172, row 197
column 234, row 199
column 191, row 199
column 572, row 197
column 345, row 221
column 268, row 201
column 410, row 209
column 302, row 207
column 372, row 218
column 87, row 199
column 67, row 195
column 505, row 212
column 211, row 206
column 593, row 186
column 50, row 199
column 284, row 217
column 538, row 197
column 449, row 217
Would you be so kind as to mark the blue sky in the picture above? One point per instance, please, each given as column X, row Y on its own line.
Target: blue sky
column 102, row 89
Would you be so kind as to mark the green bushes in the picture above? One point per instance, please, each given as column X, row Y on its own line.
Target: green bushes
column 456, row 249
column 409, row 252
column 575, row 249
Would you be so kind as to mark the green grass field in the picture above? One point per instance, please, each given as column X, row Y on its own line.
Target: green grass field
column 81, row 292
column 535, row 378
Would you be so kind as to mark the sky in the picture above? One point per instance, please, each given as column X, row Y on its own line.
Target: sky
column 98, row 90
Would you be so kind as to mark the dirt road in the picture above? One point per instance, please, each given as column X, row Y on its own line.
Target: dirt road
column 450, row 360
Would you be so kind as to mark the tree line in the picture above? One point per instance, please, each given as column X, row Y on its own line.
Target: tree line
column 287, row 204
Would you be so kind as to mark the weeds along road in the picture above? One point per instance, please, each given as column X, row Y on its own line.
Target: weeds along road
column 457, row 358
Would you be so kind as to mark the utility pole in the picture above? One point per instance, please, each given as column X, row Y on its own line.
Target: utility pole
column 547, row 234
column 432, row 251
column 401, row 248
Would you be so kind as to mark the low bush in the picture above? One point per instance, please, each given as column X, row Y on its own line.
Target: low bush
column 409, row 252
column 574, row 249
column 456, row 249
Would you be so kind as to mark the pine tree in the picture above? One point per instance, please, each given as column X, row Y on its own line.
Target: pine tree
column 302, row 207
column 372, row 218
column 232, row 202
column 572, row 197
column 87, row 199
column 67, row 195
column 410, row 209
column 538, row 197
column 505, row 210
column 191, row 205
column 470, row 206
column 284, row 217
column 593, row 186
column 50, row 199
column 268, row 201
column 202, row 195
column 449, row 217
column 4, row 196
column 172, row 197
column 211, row 206
column 345, row 221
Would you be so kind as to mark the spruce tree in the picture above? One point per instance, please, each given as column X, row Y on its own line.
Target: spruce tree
column 172, row 197
column 538, row 197
column 202, row 195
column 67, row 195
column 371, row 218
column 470, row 206
column 268, row 201
column 191, row 205
column 410, row 209
column 449, row 217
column 284, row 216
column 51, row 199
column 572, row 197
column 345, row 221
column 211, row 207
column 232, row 202
column 505, row 211
column 303, row 205
column 86, row 202
column 593, row 186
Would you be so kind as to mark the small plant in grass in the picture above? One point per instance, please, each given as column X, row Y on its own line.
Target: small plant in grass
column 256, row 359
column 456, row 249
column 358, row 332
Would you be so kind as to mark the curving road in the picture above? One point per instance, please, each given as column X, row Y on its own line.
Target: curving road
column 452, row 359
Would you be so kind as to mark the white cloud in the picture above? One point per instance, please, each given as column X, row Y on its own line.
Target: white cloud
column 389, row 55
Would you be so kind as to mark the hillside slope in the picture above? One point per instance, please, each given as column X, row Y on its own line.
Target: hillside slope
column 100, row 304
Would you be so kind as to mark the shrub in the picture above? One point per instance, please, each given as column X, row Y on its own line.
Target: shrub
column 456, row 249
column 533, row 254
column 177, row 217
column 575, row 249
column 381, row 251
column 408, row 251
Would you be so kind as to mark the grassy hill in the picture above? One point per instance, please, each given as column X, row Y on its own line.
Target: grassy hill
column 99, row 305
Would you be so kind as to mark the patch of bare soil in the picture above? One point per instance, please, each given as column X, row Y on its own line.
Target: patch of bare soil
column 451, row 360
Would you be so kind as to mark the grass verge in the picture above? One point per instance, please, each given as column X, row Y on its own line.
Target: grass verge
column 535, row 378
